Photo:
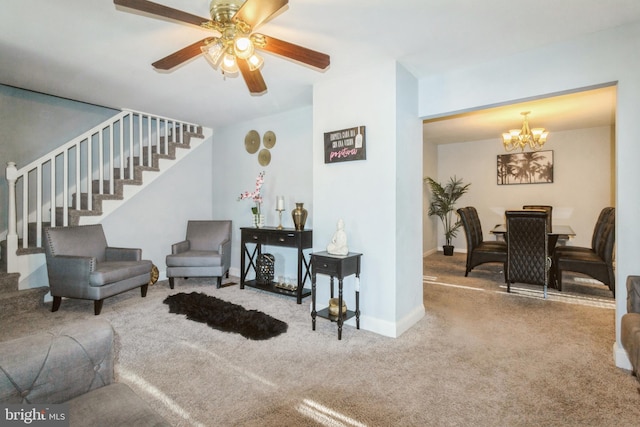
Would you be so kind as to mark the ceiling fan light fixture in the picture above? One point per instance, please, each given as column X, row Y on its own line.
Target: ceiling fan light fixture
column 255, row 62
column 229, row 64
column 243, row 47
column 213, row 53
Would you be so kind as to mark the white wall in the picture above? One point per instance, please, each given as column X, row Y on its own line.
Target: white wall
column 582, row 181
column 289, row 174
column 365, row 193
column 157, row 216
column 594, row 59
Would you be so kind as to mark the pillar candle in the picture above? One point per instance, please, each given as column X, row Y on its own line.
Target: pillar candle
column 280, row 203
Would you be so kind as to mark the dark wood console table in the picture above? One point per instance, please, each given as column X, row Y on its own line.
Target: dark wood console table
column 271, row 236
column 339, row 266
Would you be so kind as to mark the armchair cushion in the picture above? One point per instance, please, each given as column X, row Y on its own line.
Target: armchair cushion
column 111, row 272
column 195, row 259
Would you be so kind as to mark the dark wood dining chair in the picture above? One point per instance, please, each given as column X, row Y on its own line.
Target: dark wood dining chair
column 479, row 251
column 527, row 239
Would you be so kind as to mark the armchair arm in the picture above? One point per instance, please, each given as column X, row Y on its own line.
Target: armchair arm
column 180, row 247
column 633, row 294
column 225, row 252
column 70, row 269
column 123, row 254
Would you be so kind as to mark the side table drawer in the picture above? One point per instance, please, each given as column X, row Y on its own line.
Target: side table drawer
column 329, row 266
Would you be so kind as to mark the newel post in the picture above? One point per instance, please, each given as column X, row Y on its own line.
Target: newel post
column 12, row 229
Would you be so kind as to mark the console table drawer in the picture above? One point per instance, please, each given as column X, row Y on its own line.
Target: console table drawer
column 283, row 239
column 257, row 237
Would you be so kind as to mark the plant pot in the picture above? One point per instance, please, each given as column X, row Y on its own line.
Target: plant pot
column 447, row 250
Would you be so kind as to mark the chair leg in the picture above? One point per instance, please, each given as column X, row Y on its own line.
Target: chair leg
column 219, row 284
column 97, row 306
column 559, row 280
column 171, row 284
column 56, row 304
column 227, row 274
column 143, row 290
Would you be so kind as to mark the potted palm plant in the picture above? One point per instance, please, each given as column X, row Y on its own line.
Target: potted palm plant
column 443, row 201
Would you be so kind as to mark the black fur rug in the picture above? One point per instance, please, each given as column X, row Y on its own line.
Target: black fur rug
column 225, row 316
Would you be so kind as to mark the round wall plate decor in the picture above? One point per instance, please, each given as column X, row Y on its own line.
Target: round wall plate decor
column 252, row 141
column 264, row 157
column 269, row 139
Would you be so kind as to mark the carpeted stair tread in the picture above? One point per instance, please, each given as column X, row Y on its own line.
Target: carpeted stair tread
column 16, row 302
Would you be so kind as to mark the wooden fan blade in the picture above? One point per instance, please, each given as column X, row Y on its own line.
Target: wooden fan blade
column 253, row 79
column 295, row 52
column 254, row 12
column 163, row 11
column 184, row 54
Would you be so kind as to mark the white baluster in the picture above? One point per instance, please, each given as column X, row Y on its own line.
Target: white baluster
column 12, row 232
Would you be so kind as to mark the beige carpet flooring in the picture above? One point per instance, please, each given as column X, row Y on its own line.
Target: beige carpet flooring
column 480, row 357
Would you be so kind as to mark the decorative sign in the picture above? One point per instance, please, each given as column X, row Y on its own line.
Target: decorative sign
column 345, row 145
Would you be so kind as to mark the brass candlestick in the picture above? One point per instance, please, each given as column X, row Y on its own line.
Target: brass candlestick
column 280, row 227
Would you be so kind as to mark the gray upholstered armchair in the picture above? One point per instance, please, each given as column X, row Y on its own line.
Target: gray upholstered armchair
column 81, row 265
column 206, row 252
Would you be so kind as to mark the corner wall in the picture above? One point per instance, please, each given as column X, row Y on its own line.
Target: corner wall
column 367, row 194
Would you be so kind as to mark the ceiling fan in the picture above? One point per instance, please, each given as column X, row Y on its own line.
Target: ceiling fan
column 234, row 48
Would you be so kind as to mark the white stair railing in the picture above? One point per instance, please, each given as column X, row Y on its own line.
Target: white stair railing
column 42, row 192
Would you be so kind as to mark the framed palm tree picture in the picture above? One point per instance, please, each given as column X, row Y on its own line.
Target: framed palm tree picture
column 535, row 167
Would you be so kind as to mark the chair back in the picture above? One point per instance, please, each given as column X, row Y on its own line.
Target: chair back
column 527, row 247
column 78, row 240
column 602, row 221
column 606, row 240
column 548, row 209
column 207, row 235
column 472, row 227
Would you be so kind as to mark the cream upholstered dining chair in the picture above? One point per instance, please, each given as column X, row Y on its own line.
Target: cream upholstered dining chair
column 527, row 248
column 205, row 252
column 81, row 265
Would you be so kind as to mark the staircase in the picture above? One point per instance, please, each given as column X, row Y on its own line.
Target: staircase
column 82, row 182
column 14, row 301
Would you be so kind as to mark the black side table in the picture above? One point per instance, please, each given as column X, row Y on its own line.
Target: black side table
column 339, row 266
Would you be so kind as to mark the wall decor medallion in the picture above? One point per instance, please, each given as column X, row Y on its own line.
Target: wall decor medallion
column 264, row 157
column 535, row 167
column 269, row 139
column 252, row 141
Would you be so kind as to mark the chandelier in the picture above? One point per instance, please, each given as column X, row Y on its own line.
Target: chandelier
column 520, row 138
column 236, row 40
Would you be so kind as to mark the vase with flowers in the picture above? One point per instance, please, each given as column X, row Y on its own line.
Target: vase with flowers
column 258, row 217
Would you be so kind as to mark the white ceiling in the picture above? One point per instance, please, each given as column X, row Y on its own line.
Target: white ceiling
column 584, row 109
column 93, row 52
